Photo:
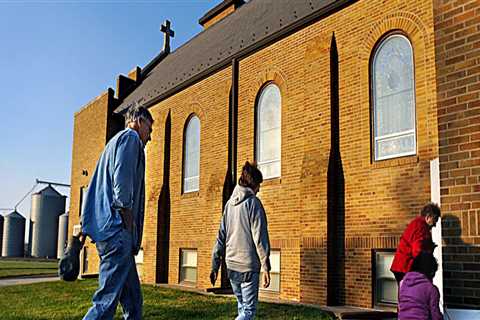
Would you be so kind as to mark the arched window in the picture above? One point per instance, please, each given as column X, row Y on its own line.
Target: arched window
column 393, row 100
column 268, row 139
column 191, row 161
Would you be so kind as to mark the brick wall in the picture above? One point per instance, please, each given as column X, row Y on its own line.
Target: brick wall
column 194, row 216
column 93, row 126
column 457, row 44
column 379, row 197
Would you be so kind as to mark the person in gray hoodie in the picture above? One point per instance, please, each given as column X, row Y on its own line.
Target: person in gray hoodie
column 244, row 243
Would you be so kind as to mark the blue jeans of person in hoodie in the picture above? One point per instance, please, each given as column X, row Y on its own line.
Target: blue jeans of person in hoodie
column 245, row 287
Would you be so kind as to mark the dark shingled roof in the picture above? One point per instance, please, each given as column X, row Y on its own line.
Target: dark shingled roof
column 251, row 27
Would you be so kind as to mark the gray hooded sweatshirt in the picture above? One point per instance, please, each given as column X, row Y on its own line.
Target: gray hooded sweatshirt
column 243, row 234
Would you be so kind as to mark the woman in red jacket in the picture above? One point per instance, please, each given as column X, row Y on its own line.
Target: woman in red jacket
column 415, row 239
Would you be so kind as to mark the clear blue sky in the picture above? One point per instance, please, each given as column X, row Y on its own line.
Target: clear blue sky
column 55, row 56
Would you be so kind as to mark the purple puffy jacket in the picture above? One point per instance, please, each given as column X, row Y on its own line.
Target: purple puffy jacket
column 418, row 298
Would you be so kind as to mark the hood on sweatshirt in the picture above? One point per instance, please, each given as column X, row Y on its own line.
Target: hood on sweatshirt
column 241, row 194
column 413, row 278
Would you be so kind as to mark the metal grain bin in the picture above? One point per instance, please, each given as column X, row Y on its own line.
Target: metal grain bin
column 47, row 205
column 62, row 234
column 1, row 232
column 13, row 235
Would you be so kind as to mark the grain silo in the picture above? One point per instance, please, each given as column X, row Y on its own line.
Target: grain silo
column 1, row 232
column 47, row 205
column 62, row 234
column 13, row 235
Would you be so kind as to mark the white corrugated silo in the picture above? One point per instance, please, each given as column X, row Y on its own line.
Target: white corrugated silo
column 13, row 235
column 47, row 205
column 62, row 234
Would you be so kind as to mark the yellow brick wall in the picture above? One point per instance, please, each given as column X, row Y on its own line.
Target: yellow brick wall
column 194, row 216
column 89, row 138
column 379, row 197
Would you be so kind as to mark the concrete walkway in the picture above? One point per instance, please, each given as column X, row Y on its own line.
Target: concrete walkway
column 27, row 280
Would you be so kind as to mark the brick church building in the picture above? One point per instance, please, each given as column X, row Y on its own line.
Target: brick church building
column 358, row 113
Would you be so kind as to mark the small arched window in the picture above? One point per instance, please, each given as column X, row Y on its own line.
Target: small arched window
column 191, row 164
column 393, row 89
column 268, row 139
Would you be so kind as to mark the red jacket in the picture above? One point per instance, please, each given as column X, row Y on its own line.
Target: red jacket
column 415, row 239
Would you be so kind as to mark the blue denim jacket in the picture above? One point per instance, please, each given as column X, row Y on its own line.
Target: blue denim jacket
column 118, row 182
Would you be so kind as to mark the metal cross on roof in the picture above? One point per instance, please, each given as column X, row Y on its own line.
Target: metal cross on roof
column 165, row 28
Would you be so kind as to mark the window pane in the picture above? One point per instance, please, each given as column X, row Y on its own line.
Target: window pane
column 386, row 290
column 395, row 114
column 189, row 258
column 275, row 261
column 274, row 282
column 402, row 145
column 384, row 261
column 269, row 130
column 270, row 169
column 269, row 145
column 188, row 274
column 393, row 96
column 192, row 155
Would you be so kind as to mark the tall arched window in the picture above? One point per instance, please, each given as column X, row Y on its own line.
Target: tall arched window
column 393, row 100
column 191, row 161
column 268, row 139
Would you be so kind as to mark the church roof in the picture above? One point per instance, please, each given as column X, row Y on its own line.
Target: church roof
column 251, row 27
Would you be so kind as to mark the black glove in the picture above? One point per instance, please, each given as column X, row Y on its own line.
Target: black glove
column 213, row 277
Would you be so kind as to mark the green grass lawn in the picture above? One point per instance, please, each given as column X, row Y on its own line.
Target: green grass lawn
column 62, row 300
column 11, row 268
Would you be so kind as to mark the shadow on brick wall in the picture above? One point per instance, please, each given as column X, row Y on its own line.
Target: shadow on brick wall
column 163, row 222
column 335, row 195
column 461, row 266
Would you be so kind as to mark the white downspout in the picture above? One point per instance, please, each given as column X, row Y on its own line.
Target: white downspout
column 437, row 231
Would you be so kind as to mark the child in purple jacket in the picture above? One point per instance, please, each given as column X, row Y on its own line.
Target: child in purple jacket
column 418, row 297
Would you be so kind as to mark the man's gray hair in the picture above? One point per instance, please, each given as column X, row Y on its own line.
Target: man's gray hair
column 136, row 113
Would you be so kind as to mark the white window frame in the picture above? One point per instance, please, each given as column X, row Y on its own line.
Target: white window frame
column 185, row 152
column 374, row 100
column 258, row 135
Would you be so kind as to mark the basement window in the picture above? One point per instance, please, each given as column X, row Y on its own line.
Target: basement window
column 274, row 272
column 385, row 289
column 188, row 266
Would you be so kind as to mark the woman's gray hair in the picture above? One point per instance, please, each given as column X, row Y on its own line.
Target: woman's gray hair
column 136, row 113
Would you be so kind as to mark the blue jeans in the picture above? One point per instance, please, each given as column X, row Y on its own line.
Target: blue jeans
column 118, row 280
column 246, row 291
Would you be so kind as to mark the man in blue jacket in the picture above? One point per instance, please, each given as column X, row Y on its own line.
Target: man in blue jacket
column 244, row 243
column 113, row 216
